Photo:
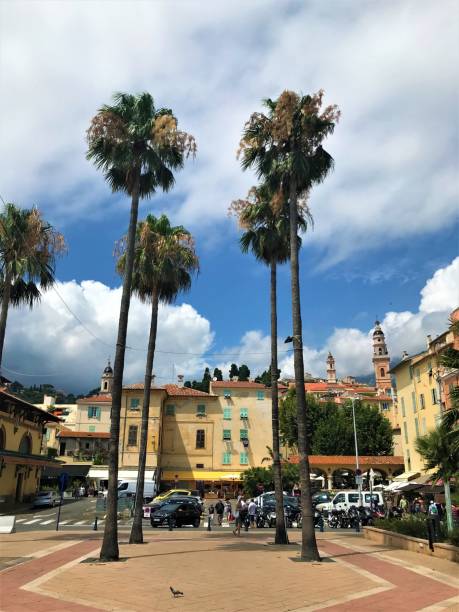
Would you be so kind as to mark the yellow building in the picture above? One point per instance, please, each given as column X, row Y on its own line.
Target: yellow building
column 21, row 442
column 419, row 396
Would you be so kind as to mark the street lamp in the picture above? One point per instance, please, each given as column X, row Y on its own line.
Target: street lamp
column 358, row 471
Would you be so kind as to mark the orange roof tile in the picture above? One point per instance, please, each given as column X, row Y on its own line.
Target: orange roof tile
column 175, row 390
column 139, row 386
column 94, row 399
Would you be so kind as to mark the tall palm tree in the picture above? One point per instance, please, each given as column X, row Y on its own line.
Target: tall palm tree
column 164, row 261
column 267, row 236
column 285, row 148
column 136, row 146
column 441, row 456
column 28, row 250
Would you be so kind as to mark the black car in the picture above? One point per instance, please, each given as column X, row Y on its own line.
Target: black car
column 154, row 506
column 177, row 514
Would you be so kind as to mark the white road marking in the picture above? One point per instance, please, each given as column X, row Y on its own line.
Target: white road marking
column 47, row 522
column 33, row 521
column 81, row 523
column 20, row 520
column 62, row 522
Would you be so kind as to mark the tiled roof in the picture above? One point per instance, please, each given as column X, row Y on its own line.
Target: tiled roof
column 94, row 399
column 83, row 434
column 236, row 384
column 174, row 390
column 350, row 460
column 6, row 396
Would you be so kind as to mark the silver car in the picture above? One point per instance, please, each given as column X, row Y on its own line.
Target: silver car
column 46, row 498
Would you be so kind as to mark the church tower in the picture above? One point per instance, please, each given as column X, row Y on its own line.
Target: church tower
column 381, row 359
column 331, row 372
column 106, row 380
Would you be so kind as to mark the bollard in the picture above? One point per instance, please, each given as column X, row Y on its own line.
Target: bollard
column 357, row 524
column 95, row 525
column 209, row 528
column 321, row 524
column 169, row 521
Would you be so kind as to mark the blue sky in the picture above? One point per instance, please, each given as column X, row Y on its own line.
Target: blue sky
column 385, row 240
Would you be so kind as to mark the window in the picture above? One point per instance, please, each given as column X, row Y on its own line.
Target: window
column 226, row 458
column 405, row 431
column 105, row 386
column 260, row 395
column 47, row 434
column 201, row 410
column 416, row 425
column 434, row 395
column 382, row 372
column 227, row 393
column 200, row 465
column 353, row 498
column 92, row 428
column 418, row 374
column 403, row 407
column 86, row 446
column 227, row 434
column 339, row 499
column 93, row 412
column 200, row 438
column 134, row 404
column 413, row 400
column 368, row 497
column 408, row 460
column 243, row 458
column 3, row 438
column 244, row 434
column 244, row 413
column 424, row 425
column 25, row 447
column 170, row 410
column 422, row 401
column 227, row 414
column 132, row 435
column 385, row 406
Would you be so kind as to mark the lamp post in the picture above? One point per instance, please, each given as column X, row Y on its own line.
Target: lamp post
column 358, row 472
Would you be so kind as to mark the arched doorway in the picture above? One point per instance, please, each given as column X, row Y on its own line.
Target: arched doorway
column 343, row 478
column 25, row 446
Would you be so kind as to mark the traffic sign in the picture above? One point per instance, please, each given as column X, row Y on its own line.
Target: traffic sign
column 63, row 481
column 358, row 480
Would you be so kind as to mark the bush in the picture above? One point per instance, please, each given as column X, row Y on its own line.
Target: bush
column 414, row 526
column 453, row 537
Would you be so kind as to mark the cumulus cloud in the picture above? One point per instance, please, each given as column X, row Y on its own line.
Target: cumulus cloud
column 49, row 344
column 390, row 66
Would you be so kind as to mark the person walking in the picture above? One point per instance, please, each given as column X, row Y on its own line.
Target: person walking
column 228, row 511
column 403, row 505
column 211, row 511
column 219, row 509
column 240, row 504
column 252, row 509
column 432, row 514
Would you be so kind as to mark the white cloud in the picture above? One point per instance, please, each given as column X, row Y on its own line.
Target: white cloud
column 390, row 66
column 49, row 340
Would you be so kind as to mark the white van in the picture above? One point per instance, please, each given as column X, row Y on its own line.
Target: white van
column 345, row 499
column 128, row 488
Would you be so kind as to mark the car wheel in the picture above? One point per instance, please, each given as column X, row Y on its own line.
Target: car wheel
column 154, row 525
column 196, row 522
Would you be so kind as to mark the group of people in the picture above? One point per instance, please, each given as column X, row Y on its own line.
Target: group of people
column 244, row 513
column 416, row 506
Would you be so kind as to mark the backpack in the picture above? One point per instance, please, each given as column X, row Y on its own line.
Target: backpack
column 433, row 509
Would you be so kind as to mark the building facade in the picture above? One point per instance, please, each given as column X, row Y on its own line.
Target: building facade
column 423, row 393
column 22, row 428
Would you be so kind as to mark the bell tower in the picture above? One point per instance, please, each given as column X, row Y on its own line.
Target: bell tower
column 106, row 380
column 381, row 359
column 331, row 372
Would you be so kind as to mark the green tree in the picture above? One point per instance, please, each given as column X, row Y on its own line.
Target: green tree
column 285, row 148
column 234, row 371
column 450, row 419
column 137, row 146
column 253, row 478
column 244, row 373
column 29, row 247
column 218, row 374
column 266, row 223
column 442, row 457
column 164, row 262
column 265, row 378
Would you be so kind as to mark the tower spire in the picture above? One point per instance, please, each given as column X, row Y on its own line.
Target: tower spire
column 331, row 371
column 381, row 359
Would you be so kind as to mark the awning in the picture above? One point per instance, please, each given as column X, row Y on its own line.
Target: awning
column 406, row 476
column 102, row 474
column 200, row 475
column 74, row 470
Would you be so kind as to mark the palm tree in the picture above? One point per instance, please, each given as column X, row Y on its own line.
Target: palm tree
column 267, row 236
column 136, row 146
column 164, row 261
column 440, row 455
column 28, row 250
column 285, row 148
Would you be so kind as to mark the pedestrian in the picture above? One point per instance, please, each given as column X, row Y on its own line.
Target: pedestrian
column 228, row 511
column 238, row 515
column 219, row 508
column 211, row 511
column 296, row 490
column 252, row 510
column 432, row 514
column 403, row 505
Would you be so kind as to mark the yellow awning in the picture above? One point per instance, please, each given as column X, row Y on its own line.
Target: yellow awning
column 200, row 475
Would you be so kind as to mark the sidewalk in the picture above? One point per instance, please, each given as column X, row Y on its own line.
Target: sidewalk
column 217, row 571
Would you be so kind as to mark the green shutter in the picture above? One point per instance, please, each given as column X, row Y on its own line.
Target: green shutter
column 244, row 413
column 170, row 410
column 260, row 395
column 243, row 459
column 227, row 414
column 244, row 434
column 135, row 403
column 226, row 458
column 201, row 409
column 227, row 434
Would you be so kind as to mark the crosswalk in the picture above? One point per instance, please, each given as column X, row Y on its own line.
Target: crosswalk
column 38, row 522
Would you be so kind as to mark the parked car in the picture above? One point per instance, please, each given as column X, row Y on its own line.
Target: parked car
column 149, row 509
column 177, row 515
column 46, row 498
column 172, row 493
column 322, row 497
column 345, row 499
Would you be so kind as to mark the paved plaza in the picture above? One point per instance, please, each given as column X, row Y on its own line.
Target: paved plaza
column 45, row 571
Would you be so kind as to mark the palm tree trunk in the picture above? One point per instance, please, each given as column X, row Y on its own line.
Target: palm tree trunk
column 110, row 550
column 281, row 532
column 4, row 313
column 309, row 551
column 449, row 509
column 136, row 531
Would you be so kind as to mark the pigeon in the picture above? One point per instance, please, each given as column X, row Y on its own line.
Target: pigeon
column 176, row 593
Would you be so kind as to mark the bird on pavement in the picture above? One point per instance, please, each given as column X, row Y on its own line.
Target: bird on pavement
column 176, row 593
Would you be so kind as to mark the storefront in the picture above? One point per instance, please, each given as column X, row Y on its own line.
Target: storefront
column 209, row 483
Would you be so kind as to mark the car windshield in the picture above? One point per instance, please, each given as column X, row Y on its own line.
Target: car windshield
column 170, row 507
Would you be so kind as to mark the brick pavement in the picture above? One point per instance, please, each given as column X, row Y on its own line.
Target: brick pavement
column 219, row 572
